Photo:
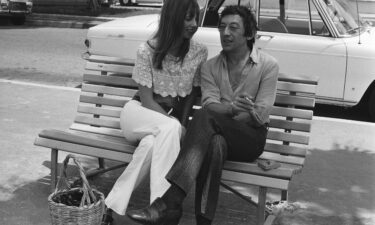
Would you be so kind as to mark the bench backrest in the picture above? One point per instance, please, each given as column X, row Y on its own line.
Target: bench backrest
column 107, row 86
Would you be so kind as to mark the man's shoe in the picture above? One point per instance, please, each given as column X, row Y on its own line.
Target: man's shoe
column 156, row 213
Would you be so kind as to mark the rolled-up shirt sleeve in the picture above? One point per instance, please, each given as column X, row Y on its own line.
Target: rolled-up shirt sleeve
column 210, row 89
column 266, row 95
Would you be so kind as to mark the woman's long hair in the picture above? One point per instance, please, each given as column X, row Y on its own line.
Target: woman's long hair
column 171, row 28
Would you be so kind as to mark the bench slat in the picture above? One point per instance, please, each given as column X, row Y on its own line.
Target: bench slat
column 114, row 68
column 84, row 150
column 298, row 79
column 283, row 158
column 288, row 137
column 110, row 80
column 87, row 139
column 252, row 168
column 108, row 90
column 296, row 87
column 102, row 101
column 97, row 130
column 292, row 112
column 285, row 149
column 97, row 122
column 290, row 125
column 300, row 101
column 109, row 59
column 255, row 180
column 99, row 111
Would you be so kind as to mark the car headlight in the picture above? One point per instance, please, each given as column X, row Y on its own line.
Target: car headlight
column 87, row 43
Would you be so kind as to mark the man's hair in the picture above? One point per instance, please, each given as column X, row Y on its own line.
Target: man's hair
column 171, row 27
column 248, row 18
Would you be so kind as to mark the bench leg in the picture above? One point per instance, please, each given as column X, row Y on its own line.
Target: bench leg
column 101, row 163
column 95, row 172
column 261, row 205
column 284, row 195
column 54, row 167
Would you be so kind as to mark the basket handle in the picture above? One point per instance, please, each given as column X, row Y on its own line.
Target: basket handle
column 87, row 190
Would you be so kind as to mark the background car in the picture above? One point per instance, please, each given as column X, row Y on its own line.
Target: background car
column 16, row 9
column 309, row 38
column 135, row 2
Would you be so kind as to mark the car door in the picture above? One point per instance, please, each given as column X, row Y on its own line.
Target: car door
column 301, row 49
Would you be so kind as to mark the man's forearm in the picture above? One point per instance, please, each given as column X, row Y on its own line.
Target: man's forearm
column 221, row 108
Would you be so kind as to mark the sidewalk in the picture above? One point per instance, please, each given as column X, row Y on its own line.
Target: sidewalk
column 338, row 178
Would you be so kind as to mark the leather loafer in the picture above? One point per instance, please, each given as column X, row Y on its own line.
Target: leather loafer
column 156, row 213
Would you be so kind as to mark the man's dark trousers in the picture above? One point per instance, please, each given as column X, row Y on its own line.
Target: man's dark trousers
column 211, row 138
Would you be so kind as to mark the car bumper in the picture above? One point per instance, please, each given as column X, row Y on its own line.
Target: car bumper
column 16, row 8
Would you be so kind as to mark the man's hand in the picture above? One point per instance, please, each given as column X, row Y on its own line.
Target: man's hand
column 243, row 103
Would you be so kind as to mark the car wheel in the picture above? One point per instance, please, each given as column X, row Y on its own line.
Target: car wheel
column 18, row 20
column 371, row 105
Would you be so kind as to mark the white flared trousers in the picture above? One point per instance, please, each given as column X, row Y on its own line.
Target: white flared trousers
column 159, row 145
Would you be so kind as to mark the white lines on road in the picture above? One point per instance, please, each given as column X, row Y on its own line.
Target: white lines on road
column 40, row 85
column 354, row 122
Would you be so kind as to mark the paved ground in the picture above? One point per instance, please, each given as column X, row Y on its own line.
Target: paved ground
column 338, row 179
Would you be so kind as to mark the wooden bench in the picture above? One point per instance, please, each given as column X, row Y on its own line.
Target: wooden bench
column 107, row 86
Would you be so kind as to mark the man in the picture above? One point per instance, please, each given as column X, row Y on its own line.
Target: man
column 238, row 91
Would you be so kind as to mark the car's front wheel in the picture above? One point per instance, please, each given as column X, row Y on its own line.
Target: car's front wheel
column 371, row 104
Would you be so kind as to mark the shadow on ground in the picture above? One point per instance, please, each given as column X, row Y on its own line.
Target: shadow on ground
column 28, row 204
column 340, row 182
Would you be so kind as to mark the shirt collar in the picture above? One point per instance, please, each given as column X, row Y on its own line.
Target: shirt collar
column 253, row 57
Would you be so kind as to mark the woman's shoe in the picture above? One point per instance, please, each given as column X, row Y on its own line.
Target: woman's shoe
column 156, row 213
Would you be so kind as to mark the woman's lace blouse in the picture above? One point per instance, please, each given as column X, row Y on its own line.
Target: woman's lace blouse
column 175, row 78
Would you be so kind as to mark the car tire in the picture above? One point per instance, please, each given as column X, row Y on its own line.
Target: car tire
column 371, row 105
column 122, row 3
column 18, row 20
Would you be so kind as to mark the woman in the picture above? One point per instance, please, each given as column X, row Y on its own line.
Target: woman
column 166, row 70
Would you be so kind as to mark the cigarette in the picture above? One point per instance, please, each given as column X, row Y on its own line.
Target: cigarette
column 248, row 99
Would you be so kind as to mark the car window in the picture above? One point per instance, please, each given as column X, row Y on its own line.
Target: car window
column 215, row 7
column 344, row 17
column 290, row 16
column 318, row 27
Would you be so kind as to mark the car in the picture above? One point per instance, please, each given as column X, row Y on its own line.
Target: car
column 309, row 38
column 136, row 2
column 16, row 10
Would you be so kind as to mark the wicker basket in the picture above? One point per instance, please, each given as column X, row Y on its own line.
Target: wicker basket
column 91, row 205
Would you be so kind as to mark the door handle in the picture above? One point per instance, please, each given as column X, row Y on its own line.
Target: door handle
column 265, row 37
